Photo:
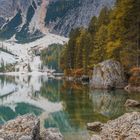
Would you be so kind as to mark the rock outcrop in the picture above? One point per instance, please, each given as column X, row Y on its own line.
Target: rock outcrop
column 22, row 128
column 108, row 75
column 53, row 134
column 126, row 127
column 33, row 13
column 132, row 103
column 27, row 127
column 71, row 16
column 20, row 19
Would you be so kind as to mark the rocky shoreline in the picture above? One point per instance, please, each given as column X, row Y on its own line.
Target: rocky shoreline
column 126, row 127
column 27, row 127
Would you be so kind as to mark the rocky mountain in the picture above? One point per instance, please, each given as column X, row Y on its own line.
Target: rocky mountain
column 27, row 20
column 64, row 15
column 21, row 19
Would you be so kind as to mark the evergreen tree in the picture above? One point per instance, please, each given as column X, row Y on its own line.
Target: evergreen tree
column 124, row 33
column 114, row 34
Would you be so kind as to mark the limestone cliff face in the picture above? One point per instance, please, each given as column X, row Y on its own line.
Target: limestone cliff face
column 108, row 75
column 9, row 8
column 77, row 14
column 29, row 19
column 21, row 19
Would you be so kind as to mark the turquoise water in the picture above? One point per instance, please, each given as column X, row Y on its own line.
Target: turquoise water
column 68, row 106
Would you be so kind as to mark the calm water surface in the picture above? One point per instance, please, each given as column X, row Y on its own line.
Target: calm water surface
column 65, row 105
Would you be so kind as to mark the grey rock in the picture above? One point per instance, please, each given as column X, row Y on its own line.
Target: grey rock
column 96, row 137
column 126, row 127
column 25, row 138
column 9, row 9
column 132, row 103
column 95, row 126
column 130, row 88
column 108, row 75
column 73, row 18
column 53, row 134
column 79, row 16
column 2, row 21
column 25, row 127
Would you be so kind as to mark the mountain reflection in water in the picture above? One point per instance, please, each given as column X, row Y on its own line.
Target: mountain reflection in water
column 66, row 105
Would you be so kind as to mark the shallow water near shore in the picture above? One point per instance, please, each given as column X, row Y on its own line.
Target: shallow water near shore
column 66, row 105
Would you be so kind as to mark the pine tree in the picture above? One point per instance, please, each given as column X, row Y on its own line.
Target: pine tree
column 124, row 33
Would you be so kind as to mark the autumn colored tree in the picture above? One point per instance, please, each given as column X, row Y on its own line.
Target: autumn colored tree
column 114, row 34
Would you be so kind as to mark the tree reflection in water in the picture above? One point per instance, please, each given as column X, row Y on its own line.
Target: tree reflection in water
column 66, row 105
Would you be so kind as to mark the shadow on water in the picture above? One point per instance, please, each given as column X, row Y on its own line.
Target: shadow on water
column 65, row 105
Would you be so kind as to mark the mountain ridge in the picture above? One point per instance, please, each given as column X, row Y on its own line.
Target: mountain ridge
column 78, row 15
column 38, row 17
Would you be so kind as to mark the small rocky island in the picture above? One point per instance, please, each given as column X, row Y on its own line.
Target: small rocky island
column 27, row 127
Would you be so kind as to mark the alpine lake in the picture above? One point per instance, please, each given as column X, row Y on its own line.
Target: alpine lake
column 66, row 105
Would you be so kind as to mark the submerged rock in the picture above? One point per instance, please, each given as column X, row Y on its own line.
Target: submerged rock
column 25, row 127
column 132, row 103
column 108, row 75
column 126, row 127
column 95, row 126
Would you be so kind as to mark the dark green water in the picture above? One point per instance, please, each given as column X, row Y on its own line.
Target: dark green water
column 65, row 105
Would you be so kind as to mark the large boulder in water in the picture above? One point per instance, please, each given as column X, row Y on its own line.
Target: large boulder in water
column 108, row 75
column 126, row 127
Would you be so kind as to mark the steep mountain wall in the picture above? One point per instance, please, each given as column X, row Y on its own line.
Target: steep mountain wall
column 21, row 19
column 63, row 15
column 27, row 20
